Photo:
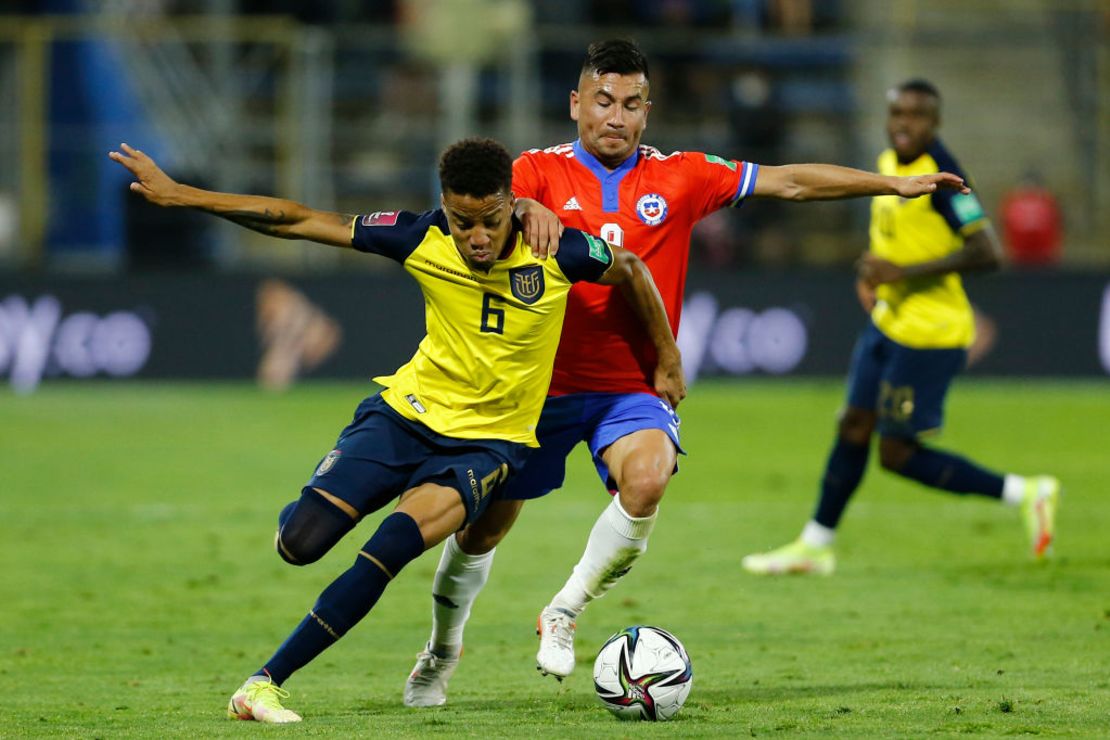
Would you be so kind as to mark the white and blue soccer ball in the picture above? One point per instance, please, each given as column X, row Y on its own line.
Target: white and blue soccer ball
column 643, row 673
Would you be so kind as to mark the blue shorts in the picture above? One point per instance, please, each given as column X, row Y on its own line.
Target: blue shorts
column 599, row 419
column 905, row 386
column 381, row 454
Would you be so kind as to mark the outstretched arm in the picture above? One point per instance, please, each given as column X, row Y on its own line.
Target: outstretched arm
column 979, row 253
column 830, row 182
column 272, row 216
column 632, row 276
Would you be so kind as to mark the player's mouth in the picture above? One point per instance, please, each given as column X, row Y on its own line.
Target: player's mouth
column 901, row 139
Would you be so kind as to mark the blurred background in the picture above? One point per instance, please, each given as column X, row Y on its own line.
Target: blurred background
column 344, row 105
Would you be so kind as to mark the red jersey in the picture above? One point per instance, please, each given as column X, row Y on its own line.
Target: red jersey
column 649, row 205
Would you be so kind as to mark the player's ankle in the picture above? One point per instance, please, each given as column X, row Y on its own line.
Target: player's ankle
column 818, row 535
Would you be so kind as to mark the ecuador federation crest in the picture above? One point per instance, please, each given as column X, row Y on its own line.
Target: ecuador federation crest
column 527, row 283
column 328, row 462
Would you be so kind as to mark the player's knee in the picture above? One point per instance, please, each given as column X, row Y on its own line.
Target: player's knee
column 895, row 452
column 296, row 551
column 474, row 541
column 641, row 490
column 856, row 426
column 308, row 528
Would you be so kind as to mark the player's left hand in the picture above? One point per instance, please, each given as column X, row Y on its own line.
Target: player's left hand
column 542, row 228
column 877, row 271
column 150, row 181
column 913, row 187
column 670, row 380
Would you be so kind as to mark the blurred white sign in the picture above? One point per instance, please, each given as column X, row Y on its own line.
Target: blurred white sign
column 739, row 341
column 37, row 340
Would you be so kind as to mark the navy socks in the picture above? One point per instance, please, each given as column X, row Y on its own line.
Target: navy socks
column 950, row 472
column 350, row 597
column 843, row 473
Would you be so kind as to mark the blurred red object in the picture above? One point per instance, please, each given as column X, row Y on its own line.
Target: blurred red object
column 1032, row 225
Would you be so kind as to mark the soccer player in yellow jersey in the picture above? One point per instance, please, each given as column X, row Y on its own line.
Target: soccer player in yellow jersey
column 460, row 417
column 921, row 326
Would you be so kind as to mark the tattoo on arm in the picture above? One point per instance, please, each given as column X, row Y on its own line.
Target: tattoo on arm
column 267, row 222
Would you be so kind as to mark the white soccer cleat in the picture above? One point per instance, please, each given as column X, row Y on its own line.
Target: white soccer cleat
column 556, row 654
column 427, row 684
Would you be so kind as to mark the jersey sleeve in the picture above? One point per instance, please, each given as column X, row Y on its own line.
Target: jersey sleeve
column 527, row 180
column 393, row 234
column 583, row 257
column 963, row 213
column 720, row 182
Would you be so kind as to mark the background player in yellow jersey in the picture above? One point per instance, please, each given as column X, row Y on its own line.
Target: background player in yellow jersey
column 916, row 342
column 460, row 417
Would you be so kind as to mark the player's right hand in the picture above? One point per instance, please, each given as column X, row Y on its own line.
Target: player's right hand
column 670, row 380
column 542, row 228
column 150, row 181
column 865, row 292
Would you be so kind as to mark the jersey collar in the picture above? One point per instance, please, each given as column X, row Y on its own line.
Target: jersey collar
column 610, row 181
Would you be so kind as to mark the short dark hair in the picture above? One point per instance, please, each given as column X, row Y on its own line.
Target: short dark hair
column 477, row 167
column 621, row 56
column 919, row 85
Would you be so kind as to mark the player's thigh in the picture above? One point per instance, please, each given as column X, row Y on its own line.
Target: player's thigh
column 437, row 510
column 561, row 427
column 637, row 434
column 484, row 533
column 870, row 359
column 913, row 390
column 475, row 470
column 372, row 460
column 644, row 459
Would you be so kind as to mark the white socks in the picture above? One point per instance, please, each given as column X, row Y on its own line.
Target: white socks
column 458, row 580
column 1013, row 490
column 817, row 535
column 615, row 543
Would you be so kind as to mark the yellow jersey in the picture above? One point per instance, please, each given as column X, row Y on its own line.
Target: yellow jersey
column 483, row 369
column 928, row 312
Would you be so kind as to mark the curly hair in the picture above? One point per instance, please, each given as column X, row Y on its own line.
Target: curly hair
column 476, row 167
column 621, row 56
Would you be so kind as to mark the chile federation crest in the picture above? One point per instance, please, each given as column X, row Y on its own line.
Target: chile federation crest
column 652, row 209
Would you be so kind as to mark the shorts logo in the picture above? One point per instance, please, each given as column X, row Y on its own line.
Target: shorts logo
column 381, row 218
column 652, row 209
column 527, row 283
column 328, row 462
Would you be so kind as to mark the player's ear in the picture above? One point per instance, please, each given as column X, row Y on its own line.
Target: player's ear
column 574, row 105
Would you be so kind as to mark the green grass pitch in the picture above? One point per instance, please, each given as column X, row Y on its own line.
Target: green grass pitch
column 140, row 585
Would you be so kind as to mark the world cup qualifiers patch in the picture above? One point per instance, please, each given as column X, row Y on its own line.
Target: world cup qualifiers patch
column 651, row 209
column 381, row 218
column 328, row 462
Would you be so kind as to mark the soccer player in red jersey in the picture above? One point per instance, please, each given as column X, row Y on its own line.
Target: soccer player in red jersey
column 603, row 388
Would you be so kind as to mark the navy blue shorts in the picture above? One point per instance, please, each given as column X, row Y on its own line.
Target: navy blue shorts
column 905, row 386
column 599, row 419
column 381, row 454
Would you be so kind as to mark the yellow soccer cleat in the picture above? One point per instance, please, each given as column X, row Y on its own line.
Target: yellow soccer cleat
column 797, row 557
column 260, row 700
column 1038, row 510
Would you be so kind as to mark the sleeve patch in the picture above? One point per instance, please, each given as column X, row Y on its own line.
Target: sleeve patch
column 714, row 159
column 599, row 250
column 381, row 218
column 967, row 208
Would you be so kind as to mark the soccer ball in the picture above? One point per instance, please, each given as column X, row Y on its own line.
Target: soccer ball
column 643, row 673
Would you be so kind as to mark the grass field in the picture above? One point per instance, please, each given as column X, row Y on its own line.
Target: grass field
column 140, row 585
